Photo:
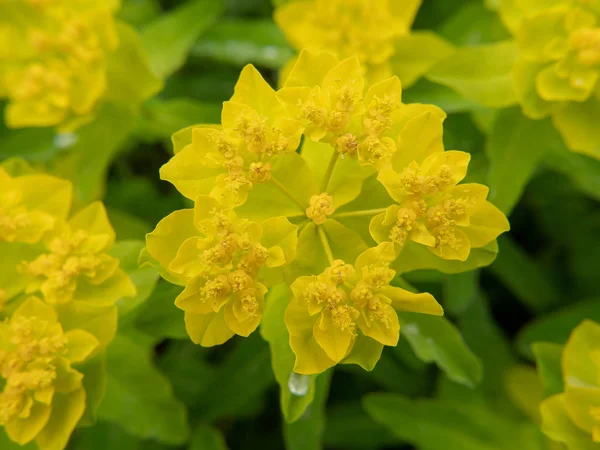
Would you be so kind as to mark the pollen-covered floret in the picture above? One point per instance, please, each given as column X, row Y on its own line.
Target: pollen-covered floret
column 222, row 261
column 432, row 208
column 321, row 206
column 36, row 355
column 225, row 161
column 335, row 315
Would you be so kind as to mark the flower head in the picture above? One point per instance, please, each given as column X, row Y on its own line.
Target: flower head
column 347, row 313
column 223, row 260
column 432, row 208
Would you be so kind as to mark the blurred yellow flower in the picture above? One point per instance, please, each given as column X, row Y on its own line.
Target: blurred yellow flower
column 573, row 417
column 376, row 32
column 558, row 67
column 43, row 397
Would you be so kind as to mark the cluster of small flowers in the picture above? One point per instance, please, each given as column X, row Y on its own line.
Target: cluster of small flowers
column 247, row 168
column 54, row 70
column 58, row 290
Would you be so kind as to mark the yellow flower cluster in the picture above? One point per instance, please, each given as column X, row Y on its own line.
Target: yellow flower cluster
column 377, row 33
column 558, row 66
column 58, row 289
column 264, row 214
column 573, row 417
column 53, row 65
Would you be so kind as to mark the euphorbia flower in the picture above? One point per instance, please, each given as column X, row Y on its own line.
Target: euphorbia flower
column 348, row 313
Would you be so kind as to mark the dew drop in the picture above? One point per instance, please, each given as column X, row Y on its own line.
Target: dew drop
column 342, row 156
column 65, row 140
column 298, row 384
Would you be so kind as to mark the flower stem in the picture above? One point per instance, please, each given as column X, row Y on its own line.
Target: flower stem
column 329, row 171
column 365, row 212
column 288, row 194
column 326, row 246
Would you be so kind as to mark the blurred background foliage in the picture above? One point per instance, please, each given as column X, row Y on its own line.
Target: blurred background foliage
column 164, row 392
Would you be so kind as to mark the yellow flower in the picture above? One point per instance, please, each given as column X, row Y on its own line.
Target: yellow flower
column 23, row 217
column 43, row 396
column 432, row 208
column 329, row 97
column 558, row 67
column 223, row 262
column 348, row 313
column 573, row 417
column 225, row 161
column 63, row 260
column 377, row 33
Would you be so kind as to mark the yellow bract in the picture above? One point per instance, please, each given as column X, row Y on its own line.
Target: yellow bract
column 348, row 313
column 55, row 72
column 573, row 417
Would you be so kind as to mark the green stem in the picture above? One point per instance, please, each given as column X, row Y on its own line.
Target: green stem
column 326, row 246
column 365, row 212
column 329, row 171
column 288, row 194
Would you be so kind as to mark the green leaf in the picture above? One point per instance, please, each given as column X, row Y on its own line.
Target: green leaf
column 528, row 280
column 443, row 425
column 144, row 278
column 481, row 74
column 515, row 149
column 460, row 290
column 86, row 163
column 416, row 53
column 472, row 25
column 557, row 326
column 32, row 144
column 548, row 359
column 129, row 78
column 162, row 118
column 159, row 317
column 425, row 91
column 307, row 432
column 127, row 226
column 239, row 42
column 94, row 383
column 206, row 437
column 138, row 397
column 168, row 39
column 583, row 170
column 349, row 427
column 435, row 339
column 231, row 392
column 274, row 331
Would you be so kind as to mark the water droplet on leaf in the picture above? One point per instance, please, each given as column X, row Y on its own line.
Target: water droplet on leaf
column 298, row 384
